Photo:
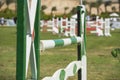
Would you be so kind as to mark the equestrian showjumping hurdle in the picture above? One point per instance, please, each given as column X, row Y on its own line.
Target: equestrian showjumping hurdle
column 107, row 27
column 58, row 26
column 28, row 49
column 74, row 66
column 96, row 26
column 100, row 27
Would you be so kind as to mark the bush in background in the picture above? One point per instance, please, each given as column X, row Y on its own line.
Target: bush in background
column 7, row 13
column 105, row 15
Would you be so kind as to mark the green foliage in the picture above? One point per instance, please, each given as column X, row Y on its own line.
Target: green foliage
column 107, row 3
column 9, row 1
column 118, row 13
column 116, row 53
column 1, row 4
column 85, row 2
column 105, row 15
column 7, row 13
column 65, row 9
column 54, row 8
column 93, row 15
column 44, row 16
column 73, row 11
column 113, row 9
column 43, row 7
column 49, row 16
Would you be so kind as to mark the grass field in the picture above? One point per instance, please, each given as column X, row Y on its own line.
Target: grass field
column 101, row 65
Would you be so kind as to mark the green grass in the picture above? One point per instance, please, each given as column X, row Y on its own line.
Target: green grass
column 7, row 53
column 101, row 65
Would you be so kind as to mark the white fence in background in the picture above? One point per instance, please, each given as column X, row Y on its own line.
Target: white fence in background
column 60, row 26
column 68, row 27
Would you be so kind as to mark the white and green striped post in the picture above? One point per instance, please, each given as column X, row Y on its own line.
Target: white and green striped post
column 80, row 65
column 82, row 73
column 27, row 39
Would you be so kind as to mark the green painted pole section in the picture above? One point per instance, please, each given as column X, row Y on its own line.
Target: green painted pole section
column 85, row 34
column 21, row 40
column 79, row 34
column 37, row 39
column 59, row 42
column 74, row 40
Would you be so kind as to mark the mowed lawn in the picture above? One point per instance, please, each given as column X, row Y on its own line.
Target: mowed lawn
column 101, row 65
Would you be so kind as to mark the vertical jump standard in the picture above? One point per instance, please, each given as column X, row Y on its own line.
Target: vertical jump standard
column 28, row 38
column 28, row 44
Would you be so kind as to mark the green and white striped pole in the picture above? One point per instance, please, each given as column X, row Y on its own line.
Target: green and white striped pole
column 82, row 73
column 27, row 39
column 58, row 42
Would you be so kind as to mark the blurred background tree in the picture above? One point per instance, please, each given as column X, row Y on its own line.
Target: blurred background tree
column 53, row 10
column 1, row 3
column 107, row 3
column 8, row 2
column 65, row 9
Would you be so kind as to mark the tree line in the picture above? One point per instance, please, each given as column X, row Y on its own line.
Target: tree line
column 96, row 4
column 8, row 2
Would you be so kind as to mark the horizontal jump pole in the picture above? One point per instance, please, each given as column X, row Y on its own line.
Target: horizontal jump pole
column 63, row 74
column 47, row 44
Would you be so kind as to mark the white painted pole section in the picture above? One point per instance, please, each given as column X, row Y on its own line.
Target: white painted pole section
column 33, row 63
column 30, row 51
column 67, row 42
column 72, row 23
column 79, row 39
column 46, row 44
column 28, row 48
column 32, row 12
column 84, row 67
column 70, row 67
